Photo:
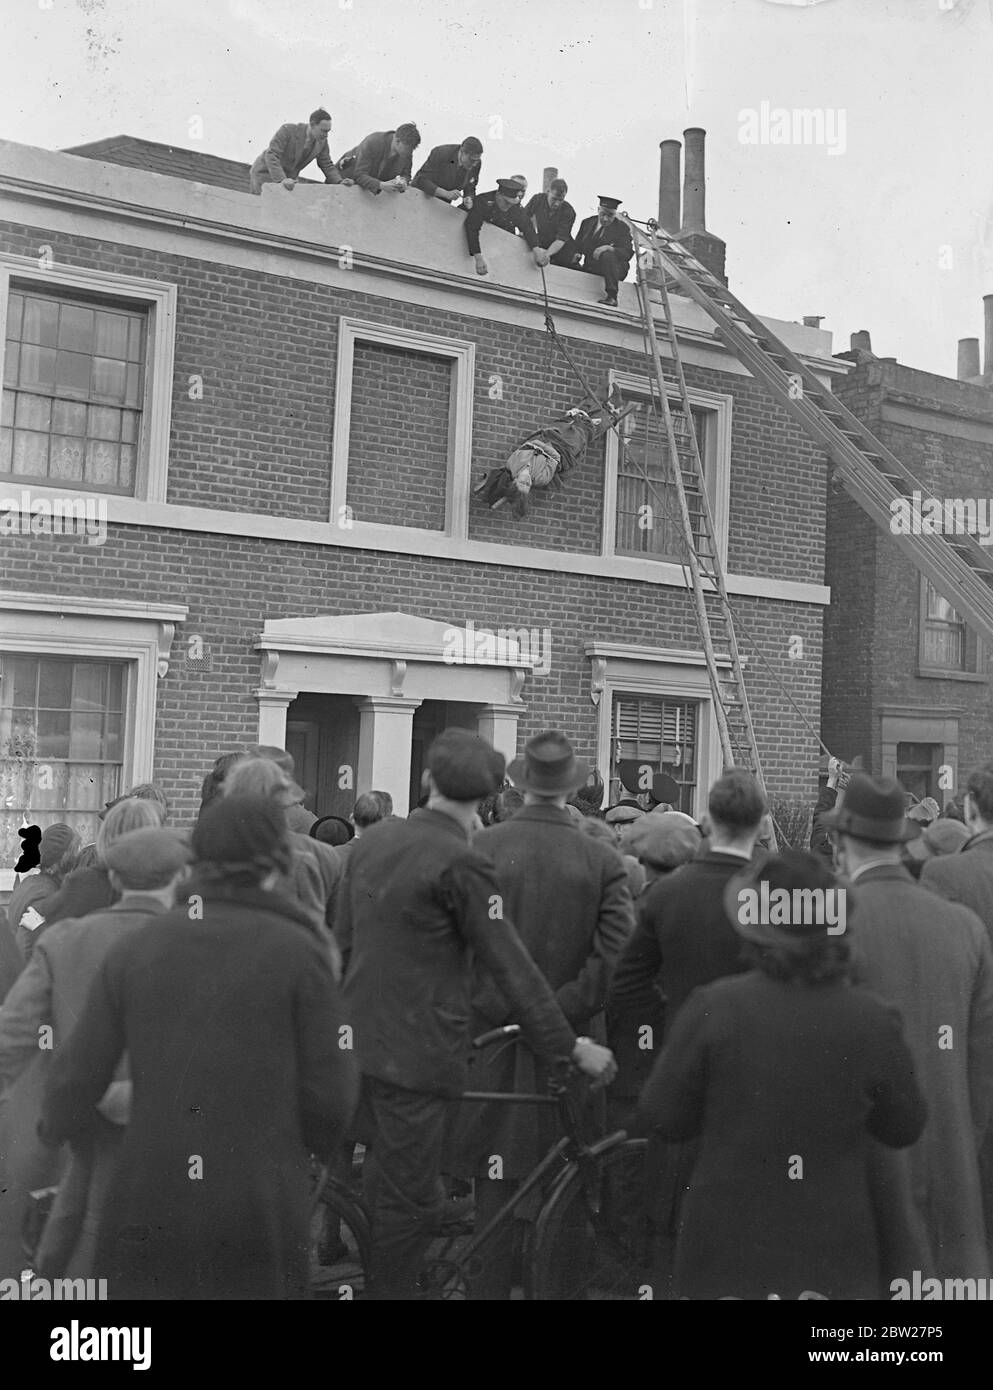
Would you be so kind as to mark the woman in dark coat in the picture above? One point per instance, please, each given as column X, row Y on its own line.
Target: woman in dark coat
column 231, row 1019
column 785, row 1075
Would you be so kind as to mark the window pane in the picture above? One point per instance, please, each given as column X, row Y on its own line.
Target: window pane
column 136, row 340
column 111, row 338
column 128, row 455
column 88, row 692
column 129, row 427
column 86, row 740
column 53, row 733
column 38, row 366
column 11, row 363
column 115, row 688
column 6, row 451
column 133, row 393
column 69, row 417
column 109, row 377
column 30, row 453
column 115, row 730
column 41, row 321
column 55, row 685
column 22, row 671
column 67, row 457
column 8, row 408
column 104, row 422
column 33, row 412
column 72, row 372
column 101, row 463
column 76, row 328
column 15, row 308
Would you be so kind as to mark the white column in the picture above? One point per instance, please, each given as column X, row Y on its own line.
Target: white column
column 498, row 725
column 385, row 729
column 273, row 705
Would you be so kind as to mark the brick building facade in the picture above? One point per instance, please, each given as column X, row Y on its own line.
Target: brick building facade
column 906, row 682
column 283, row 402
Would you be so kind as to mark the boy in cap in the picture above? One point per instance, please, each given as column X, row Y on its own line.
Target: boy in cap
column 502, row 208
column 604, row 247
column 419, row 903
column 146, row 867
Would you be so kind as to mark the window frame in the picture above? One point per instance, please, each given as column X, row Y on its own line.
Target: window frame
column 974, row 648
column 716, row 463
column 140, row 634
column 458, row 474
column 159, row 299
column 660, row 673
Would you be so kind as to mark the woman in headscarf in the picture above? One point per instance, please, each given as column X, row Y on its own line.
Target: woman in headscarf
column 785, row 1076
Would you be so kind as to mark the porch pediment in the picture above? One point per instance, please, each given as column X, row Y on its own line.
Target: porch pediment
column 397, row 637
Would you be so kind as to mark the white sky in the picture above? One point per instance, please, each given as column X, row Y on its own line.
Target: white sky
column 592, row 86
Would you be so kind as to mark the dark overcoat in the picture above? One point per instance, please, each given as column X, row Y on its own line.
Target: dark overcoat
column 593, row 234
column 932, row 959
column 231, row 1022
column 782, row 1085
column 965, row 877
column 568, row 896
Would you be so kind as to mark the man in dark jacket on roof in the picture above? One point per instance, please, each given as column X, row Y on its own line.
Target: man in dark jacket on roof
column 418, row 904
column 451, row 171
column 291, row 149
column 383, row 159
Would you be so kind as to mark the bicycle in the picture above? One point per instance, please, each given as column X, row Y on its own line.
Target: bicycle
column 591, row 1238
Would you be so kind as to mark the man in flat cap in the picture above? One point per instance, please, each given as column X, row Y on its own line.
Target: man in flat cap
column 451, row 172
column 146, row 867
column 568, row 897
column 229, row 1013
column 419, row 903
column 291, row 149
column 604, row 247
column 502, row 208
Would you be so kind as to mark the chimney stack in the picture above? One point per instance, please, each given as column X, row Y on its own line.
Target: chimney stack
column 988, row 348
column 813, row 320
column 694, row 182
column 546, row 178
column 968, row 363
column 860, row 341
column 707, row 248
column 669, row 192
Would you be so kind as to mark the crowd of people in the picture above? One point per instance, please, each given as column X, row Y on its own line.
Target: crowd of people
column 191, row 1018
column 383, row 161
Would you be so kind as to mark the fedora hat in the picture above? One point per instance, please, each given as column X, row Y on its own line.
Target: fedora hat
column 549, row 765
column 872, row 809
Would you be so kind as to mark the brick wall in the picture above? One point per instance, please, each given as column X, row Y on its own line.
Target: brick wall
column 872, row 630
column 259, row 441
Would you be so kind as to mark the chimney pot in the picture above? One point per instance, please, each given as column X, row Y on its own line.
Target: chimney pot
column 860, row 341
column 547, row 176
column 694, row 181
column 669, row 190
column 968, row 363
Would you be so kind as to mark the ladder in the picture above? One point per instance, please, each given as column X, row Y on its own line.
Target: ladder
column 957, row 565
column 727, row 684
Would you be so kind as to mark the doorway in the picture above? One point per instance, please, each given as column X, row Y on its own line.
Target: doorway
column 430, row 719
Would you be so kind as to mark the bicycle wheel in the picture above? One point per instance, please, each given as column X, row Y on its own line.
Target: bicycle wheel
column 340, row 1244
column 593, row 1236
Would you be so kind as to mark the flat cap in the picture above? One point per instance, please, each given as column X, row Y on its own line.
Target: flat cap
column 148, row 858
column 665, row 840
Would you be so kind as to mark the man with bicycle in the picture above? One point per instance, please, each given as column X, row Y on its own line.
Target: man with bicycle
column 419, row 905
